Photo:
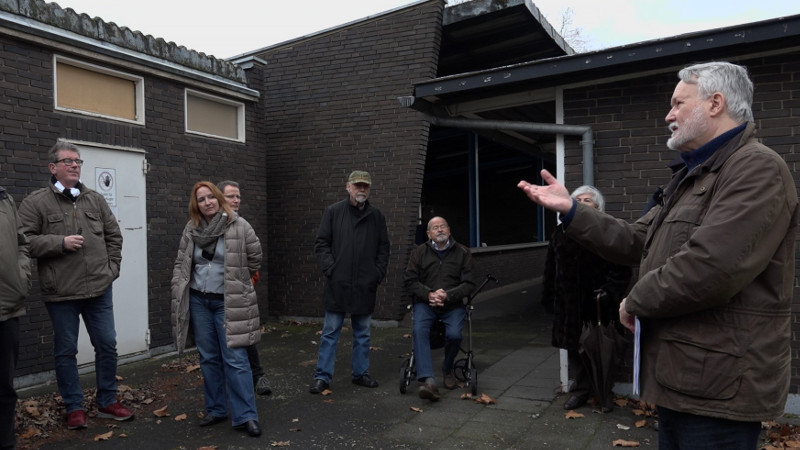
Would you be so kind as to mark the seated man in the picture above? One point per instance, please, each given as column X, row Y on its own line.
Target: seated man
column 438, row 277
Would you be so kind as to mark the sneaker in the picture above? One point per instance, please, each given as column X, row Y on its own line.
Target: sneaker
column 450, row 380
column 115, row 411
column 76, row 420
column 429, row 391
column 262, row 386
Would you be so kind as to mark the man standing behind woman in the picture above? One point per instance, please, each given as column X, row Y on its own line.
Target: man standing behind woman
column 230, row 190
column 211, row 284
column 573, row 279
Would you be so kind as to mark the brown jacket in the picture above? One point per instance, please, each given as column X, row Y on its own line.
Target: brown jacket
column 715, row 283
column 47, row 217
column 242, row 260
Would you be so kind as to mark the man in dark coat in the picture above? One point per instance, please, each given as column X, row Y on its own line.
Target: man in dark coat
column 438, row 277
column 352, row 249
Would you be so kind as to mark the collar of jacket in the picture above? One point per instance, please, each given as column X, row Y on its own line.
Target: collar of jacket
column 699, row 156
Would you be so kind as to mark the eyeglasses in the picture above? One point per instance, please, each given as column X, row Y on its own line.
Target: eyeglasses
column 70, row 161
column 439, row 227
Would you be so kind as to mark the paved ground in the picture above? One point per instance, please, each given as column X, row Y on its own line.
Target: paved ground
column 516, row 366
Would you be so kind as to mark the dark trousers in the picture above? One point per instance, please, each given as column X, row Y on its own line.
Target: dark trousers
column 582, row 383
column 684, row 431
column 9, row 352
column 255, row 363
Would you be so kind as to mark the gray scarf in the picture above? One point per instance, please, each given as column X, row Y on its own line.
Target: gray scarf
column 205, row 236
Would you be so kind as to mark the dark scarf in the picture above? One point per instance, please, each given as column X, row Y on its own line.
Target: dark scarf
column 206, row 235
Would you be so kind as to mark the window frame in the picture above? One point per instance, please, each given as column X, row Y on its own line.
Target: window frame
column 240, row 114
column 138, row 81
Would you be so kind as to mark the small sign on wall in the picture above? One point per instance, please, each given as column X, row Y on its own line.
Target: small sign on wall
column 106, row 184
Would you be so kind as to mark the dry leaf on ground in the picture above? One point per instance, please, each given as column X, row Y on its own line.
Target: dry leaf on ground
column 572, row 414
column 161, row 412
column 624, row 443
column 180, row 417
column 104, row 436
column 415, row 409
column 485, row 399
column 281, row 443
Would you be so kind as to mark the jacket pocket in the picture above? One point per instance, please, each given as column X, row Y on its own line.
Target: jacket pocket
column 94, row 221
column 48, row 280
column 699, row 371
column 55, row 224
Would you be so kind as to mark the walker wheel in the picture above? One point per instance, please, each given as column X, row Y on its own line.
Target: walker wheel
column 406, row 373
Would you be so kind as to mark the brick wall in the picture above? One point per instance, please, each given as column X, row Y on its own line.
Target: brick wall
column 630, row 139
column 178, row 160
column 331, row 107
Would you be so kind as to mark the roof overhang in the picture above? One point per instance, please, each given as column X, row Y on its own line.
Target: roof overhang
column 437, row 96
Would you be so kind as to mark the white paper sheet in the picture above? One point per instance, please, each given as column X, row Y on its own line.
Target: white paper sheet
column 636, row 355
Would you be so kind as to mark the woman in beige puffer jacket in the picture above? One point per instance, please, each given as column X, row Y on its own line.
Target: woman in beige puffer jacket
column 211, row 288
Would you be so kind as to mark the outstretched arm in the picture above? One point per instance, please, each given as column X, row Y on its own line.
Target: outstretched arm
column 553, row 195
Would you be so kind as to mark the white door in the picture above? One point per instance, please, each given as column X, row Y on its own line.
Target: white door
column 118, row 175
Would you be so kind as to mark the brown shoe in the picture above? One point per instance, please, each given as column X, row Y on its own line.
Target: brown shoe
column 450, row 380
column 429, row 391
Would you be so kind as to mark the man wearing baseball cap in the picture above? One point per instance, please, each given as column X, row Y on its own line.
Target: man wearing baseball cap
column 352, row 249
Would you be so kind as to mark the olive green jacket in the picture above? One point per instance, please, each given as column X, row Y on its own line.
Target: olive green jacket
column 15, row 264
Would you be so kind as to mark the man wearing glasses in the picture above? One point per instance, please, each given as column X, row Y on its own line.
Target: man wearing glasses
column 78, row 244
column 438, row 277
column 230, row 190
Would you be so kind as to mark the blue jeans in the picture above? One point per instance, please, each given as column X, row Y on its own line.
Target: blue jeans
column 684, row 431
column 424, row 316
column 226, row 371
column 98, row 316
column 331, row 330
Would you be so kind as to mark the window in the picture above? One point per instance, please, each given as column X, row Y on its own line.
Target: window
column 93, row 90
column 209, row 115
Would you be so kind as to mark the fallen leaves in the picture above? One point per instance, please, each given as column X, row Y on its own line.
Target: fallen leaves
column 161, row 412
column 104, row 436
column 781, row 436
column 485, row 400
column 482, row 399
column 624, row 443
column 415, row 409
column 571, row 414
column 280, row 443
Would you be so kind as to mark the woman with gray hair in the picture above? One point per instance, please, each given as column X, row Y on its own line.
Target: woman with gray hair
column 573, row 279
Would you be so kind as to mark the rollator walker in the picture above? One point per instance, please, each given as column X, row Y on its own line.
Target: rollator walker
column 463, row 368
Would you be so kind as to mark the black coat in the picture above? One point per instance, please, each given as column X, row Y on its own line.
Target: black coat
column 352, row 249
column 428, row 271
column 571, row 276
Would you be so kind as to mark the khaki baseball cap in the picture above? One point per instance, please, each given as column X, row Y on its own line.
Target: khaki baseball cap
column 360, row 176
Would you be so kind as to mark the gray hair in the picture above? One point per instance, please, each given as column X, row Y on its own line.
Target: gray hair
column 596, row 195
column 728, row 79
column 52, row 155
column 221, row 185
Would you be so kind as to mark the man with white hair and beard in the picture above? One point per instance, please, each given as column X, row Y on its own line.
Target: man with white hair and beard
column 438, row 277
column 352, row 249
column 716, row 268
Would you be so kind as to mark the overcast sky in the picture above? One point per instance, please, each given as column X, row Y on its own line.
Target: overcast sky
column 245, row 25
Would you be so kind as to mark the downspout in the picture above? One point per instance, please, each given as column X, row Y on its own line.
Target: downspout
column 587, row 138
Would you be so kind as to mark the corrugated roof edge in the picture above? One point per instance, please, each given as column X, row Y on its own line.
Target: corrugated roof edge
column 96, row 28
